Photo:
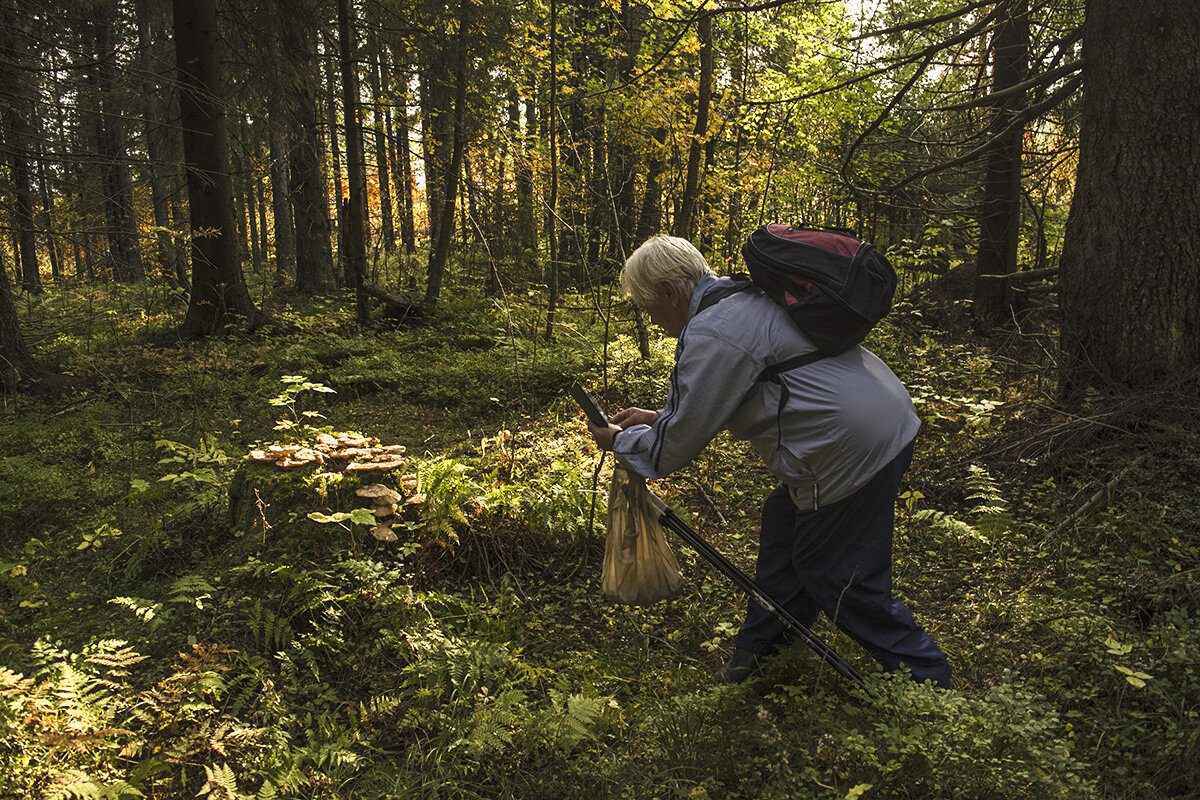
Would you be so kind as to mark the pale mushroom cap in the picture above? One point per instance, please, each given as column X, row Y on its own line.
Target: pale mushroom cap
column 379, row 493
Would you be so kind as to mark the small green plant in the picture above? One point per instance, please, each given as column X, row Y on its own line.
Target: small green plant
column 293, row 387
column 359, row 516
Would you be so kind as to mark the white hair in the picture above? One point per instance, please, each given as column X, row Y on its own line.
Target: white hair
column 662, row 258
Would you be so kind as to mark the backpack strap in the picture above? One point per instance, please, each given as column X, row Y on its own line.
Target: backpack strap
column 742, row 282
column 773, row 371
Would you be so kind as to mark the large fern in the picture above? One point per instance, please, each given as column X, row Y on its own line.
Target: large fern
column 987, row 517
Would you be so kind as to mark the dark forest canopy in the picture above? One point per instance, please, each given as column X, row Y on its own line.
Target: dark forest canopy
column 409, row 148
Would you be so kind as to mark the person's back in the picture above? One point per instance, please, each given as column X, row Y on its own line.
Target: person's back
column 845, row 416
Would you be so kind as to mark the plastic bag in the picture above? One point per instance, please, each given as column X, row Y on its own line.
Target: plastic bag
column 639, row 567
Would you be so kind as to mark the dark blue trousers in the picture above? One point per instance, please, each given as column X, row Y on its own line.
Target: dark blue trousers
column 838, row 559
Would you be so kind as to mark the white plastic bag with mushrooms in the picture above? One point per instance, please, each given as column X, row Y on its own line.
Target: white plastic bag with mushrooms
column 639, row 567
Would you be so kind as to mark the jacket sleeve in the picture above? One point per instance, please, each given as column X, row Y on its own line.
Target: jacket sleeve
column 710, row 380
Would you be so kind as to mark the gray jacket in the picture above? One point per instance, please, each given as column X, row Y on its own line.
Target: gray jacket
column 846, row 416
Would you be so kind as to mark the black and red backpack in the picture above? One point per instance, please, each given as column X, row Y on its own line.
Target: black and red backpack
column 834, row 286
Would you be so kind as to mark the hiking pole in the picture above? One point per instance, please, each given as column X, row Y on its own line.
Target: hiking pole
column 668, row 519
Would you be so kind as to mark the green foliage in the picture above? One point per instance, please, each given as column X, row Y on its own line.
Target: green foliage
column 988, row 514
column 153, row 645
column 1005, row 742
column 293, row 387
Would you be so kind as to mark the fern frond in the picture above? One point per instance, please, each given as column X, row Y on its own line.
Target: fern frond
column 78, row 785
column 114, row 654
column 940, row 520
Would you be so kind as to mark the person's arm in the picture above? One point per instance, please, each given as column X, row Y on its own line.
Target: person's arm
column 710, row 379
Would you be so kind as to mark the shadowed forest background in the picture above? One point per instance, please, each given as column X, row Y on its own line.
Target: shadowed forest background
column 258, row 256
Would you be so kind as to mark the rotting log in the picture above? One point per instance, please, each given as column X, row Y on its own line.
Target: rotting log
column 395, row 306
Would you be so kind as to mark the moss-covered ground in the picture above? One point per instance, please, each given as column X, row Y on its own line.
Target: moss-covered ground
column 173, row 623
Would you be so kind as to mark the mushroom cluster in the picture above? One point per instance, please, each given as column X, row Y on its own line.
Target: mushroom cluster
column 384, row 504
column 361, row 454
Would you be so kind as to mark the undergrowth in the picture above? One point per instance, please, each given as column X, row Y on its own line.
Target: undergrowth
column 158, row 640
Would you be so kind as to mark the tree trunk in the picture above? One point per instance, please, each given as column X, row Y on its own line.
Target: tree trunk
column 525, row 239
column 155, row 131
column 306, row 157
column 356, row 233
column 403, row 175
column 733, row 229
column 382, row 122
column 650, row 218
column 15, row 114
column 445, row 227
column 15, row 360
column 436, row 141
column 686, row 220
column 624, row 161
column 249, row 138
column 117, row 182
column 260, row 201
column 339, row 191
column 219, row 296
column 16, row 136
column 46, row 224
column 551, row 221
column 404, row 180
column 1000, row 209
column 1130, row 287
column 281, row 206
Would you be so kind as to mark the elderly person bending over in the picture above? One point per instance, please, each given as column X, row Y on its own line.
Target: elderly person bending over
column 839, row 446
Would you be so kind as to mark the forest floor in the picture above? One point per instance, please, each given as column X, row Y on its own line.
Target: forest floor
column 179, row 620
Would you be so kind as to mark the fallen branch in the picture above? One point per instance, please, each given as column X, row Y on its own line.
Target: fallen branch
column 711, row 504
column 1098, row 499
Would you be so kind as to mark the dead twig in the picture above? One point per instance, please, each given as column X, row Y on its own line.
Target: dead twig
column 1098, row 499
column 709, row 500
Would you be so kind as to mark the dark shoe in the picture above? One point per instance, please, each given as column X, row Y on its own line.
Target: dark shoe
column 743, row 665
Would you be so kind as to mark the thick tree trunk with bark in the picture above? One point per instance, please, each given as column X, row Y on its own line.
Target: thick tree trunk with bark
column 1000, row 208
column 1130, row 286
column 219, row 296
column 437, row 122
column 15, row 114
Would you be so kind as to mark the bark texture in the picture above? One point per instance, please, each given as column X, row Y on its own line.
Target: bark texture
column 1130, row 281
column 219, row 296
column 1000, row 209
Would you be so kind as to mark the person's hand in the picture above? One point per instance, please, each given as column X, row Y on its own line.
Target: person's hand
column 604, row 436
column 634, row 416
